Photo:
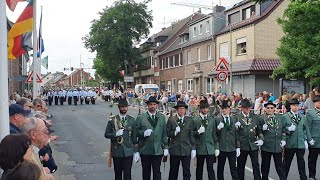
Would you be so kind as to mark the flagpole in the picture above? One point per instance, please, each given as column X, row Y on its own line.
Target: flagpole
column 40, row 50
column 35, row 40
column 4, row 89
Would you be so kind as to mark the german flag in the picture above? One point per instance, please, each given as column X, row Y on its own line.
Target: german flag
column 13, row 3
column 23, row 25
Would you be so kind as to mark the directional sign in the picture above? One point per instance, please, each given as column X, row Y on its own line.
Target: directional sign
column 223, row 65
column 30, row 78
column 222, row 76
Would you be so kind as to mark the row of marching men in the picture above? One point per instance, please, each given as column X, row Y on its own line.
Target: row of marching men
column 151, row 138
column 69, row 95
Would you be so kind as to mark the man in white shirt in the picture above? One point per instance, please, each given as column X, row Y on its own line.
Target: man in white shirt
column 75, row 95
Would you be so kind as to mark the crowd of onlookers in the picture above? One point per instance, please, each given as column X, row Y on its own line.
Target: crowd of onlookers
column 26, row 153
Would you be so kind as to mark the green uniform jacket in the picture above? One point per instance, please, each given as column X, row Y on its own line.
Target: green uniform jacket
column 296, row 138
column 274, row 134
column 157, row 141
column 314, row 125
column 182, row 143
column 249, row 132
column 228, row 137
column 129, row 137
column 207, row 142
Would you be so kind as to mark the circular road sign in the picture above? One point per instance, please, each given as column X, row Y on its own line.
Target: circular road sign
column 222, row 76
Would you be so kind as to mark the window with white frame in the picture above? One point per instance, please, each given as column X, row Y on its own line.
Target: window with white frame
column 189, row 57
column 194, row 31
column 162, row 63
column 174, row 61
column 210, row 85
column 180, row 60
column 169, row 86
column 241, row 46
column 180, row 86
column 155, row 62
column 224, row 49
column 207, row 26
column 200, row 29
column 189, row 84
column 198, row 54
column 209, row 52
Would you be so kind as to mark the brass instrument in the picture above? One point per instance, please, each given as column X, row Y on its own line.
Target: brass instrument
column 118, row 125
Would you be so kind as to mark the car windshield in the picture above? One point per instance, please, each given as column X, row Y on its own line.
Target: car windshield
column 151, row 90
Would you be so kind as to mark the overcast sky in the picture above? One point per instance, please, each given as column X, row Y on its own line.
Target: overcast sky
column 65, row 22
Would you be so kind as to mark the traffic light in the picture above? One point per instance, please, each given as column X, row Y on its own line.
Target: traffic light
column 71, row 68
column 64, row 69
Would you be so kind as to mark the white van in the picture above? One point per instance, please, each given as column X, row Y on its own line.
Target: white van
column 143, row 88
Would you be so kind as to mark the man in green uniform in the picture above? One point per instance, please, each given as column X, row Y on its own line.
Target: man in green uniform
column 206, row 141
column 274, row 133
column 180, row 130
column 153, row 141
column 229, row 144
column 250, row 137
column 313, row 118
column 297, row 136
column 122, row 132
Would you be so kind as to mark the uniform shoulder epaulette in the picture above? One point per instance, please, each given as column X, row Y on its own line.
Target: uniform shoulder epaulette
column 130, row 116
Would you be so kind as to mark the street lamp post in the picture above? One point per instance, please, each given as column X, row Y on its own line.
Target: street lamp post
column 230, row 51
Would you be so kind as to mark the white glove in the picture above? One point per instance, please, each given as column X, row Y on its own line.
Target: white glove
column 283, row 143
column 147, row 132
column 220, row 126
column 177, row 130
column 119, row 133
column 265, row 127
column 165, row 152
column 238, row 152
column 201, row 130
column 193, row 154
column 306, row 144
column 217, row 152
column 136, row 157
column 237, row 124
column 292, row 127
column 311, row 142
column 259, row 143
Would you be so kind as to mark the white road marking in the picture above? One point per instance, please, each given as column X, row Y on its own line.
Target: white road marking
column 249, row 169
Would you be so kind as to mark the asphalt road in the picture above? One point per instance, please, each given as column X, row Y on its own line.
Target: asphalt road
column 82, row 151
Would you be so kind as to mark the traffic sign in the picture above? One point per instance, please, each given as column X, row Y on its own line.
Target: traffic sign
column 222, row 76
column 30, row 78
column 223, row 65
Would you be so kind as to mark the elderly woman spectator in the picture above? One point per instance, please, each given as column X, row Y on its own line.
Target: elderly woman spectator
column 309, row 104
column 24, row 171
column 14, row 149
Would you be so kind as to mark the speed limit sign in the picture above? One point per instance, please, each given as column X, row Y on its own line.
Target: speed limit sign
column 222, row 76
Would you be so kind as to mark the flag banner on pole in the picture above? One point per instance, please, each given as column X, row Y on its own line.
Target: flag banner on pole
column 40, row 40
column 16, row 36
column 13, row 3
column 44, row 62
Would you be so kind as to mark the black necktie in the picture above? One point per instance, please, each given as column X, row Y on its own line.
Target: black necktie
column 153, row 117
column 123, row 119
column 227, row 121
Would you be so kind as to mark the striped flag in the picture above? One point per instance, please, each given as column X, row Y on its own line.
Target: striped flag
column 16, row 36
column 13, row 3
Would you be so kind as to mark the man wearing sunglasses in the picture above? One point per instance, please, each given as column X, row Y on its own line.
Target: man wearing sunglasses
column 274, row 133
column 17, row 117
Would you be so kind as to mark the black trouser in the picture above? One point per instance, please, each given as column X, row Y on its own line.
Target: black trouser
column 70, row 100
column 289, row 154
column 50, row 98
column 312, row 161
column 232, row 158
column 107, row 98
column 61, row 100
column 122, row 167
column 56, row 100
column 175, row 164
column 210, row 159
column 93, row 101
column 242, row 159
column 149, row 161
column 75, row 100
column 81, row 100
column 265, row 165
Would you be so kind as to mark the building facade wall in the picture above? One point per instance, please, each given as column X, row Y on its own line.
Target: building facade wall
column 268, row 34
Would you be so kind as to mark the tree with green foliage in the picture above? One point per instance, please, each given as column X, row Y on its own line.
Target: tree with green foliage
column 300, row 47
column 115, row 35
